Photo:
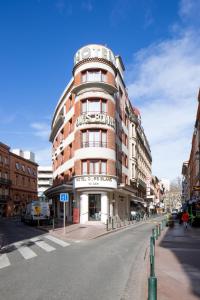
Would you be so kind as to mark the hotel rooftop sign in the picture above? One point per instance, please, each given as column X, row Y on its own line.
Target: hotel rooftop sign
column 94, row 51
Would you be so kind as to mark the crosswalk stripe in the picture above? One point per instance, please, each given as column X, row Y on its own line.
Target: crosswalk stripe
column 57, row 241
column 4, row 261
column 43, row 245
column 26, row 252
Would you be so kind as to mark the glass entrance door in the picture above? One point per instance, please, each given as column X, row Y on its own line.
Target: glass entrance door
column 94, row 207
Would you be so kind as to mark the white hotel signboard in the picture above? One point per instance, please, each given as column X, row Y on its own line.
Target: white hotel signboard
column 95, row 181
column 95, row 118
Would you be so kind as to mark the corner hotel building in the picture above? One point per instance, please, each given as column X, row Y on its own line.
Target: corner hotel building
column 92, row 127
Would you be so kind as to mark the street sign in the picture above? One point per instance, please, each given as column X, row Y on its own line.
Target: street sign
column 64, row 197
column 196, row 188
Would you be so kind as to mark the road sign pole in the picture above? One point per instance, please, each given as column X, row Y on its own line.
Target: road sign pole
column 64, row 218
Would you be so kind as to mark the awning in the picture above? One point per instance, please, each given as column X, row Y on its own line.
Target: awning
column 56, row 190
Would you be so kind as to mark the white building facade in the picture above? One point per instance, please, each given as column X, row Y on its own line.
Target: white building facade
column 45, row 179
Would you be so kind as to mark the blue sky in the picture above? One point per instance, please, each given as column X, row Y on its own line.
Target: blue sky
column 159, row 42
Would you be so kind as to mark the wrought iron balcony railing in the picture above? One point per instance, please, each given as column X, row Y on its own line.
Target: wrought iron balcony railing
column 5, row 181
column 94, row 144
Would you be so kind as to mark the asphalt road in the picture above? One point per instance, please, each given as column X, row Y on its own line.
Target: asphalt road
column 109, row 267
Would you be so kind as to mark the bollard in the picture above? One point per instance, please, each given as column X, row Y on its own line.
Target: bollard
column 161, row 225
column 112, row 223
column 53, row 224
column 152, row 288
column 153, row 233
column 156, row 231
column 158, row 227
column 152, row 256
column 107, row 224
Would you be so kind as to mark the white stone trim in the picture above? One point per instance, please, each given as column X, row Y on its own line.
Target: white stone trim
column 62, row 98
column 64, row 167
column 68, row 116
column 92, row 126
column 94, row 65
column 95, row 94
column 125, row 149
column 69, row 139
column 94, row 152
column 125, row 170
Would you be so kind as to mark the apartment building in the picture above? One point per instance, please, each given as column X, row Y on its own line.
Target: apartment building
column 18, row 180
column 90, row 135
column 45, row 179
column 5, row 181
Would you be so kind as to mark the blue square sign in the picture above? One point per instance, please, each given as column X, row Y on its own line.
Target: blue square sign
column 64, row 197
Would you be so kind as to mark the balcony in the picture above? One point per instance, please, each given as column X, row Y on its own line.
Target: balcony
column 4, row 181
column 111, row 89
column 56, row 127
column 94, row 144
column 4, row 199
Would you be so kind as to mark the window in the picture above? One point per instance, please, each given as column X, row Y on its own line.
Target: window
column 133, row 171
column 6, row 175
column 93, row 167
column 17, row 165
column 0, row 158
column 23, row 168
column 84, row 167
column 70, row 126
column 103, row 167
column 133, row 130
column 94, row 75
column 94, row 138
column 133, row 150
column 94, row 106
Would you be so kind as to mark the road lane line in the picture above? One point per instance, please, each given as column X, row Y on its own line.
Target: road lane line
column 43, row 245
column 4, row 261
column 57, row 241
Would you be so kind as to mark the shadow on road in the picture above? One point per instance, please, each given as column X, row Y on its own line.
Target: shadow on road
column 13, row 231
column 185, row 245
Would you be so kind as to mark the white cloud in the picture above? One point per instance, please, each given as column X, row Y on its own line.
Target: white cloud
column 43, row 156
column 41, row 129
column 164, row 80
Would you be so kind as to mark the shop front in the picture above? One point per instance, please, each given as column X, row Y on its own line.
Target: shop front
column 94, row 195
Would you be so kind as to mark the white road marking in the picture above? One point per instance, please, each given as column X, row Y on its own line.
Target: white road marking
column 43, row 245
column 26, row 252
column 57, row 241
column 4, row 261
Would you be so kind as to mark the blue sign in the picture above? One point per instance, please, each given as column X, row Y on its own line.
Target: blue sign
column 64, row 197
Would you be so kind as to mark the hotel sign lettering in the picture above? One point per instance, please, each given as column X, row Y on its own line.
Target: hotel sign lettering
column 94, row 51
column 98, row 118
column 95, row 180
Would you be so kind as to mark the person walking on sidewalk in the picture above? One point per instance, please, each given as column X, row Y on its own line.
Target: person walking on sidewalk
column 185, row 219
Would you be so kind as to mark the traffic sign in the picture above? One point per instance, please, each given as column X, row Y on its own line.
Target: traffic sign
column 64, row 197
column 196, row 188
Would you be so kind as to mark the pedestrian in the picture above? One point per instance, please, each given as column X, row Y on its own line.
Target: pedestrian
column 185, row 219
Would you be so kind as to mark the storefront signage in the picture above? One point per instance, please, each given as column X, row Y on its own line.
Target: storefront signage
column 97, row 118
column 95, row 181
column 94, row 51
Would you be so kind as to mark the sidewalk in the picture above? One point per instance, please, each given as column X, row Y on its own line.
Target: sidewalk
column 177, row 264
column 87, row 231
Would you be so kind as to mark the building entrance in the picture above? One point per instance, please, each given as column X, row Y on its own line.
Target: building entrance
column 94, row 207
